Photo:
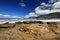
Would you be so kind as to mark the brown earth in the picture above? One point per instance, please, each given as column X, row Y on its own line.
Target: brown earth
column 30, row 31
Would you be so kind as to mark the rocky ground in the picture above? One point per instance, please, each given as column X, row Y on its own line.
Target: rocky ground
column 31, row 31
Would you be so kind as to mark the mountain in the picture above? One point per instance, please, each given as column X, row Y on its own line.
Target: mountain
column 55, row 15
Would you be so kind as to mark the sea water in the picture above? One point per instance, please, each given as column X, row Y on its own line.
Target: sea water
column 13, row 20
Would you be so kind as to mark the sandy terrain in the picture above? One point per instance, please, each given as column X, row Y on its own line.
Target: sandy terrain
column 30, row 31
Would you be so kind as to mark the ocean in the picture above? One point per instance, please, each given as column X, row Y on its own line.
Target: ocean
column 13, row 20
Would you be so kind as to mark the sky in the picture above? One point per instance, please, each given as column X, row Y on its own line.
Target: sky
column 27, row 8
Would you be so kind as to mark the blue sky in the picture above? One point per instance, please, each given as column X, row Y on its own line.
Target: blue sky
column 14, row 8
column 23, row 8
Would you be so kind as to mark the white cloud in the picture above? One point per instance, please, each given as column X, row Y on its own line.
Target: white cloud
column 32, row 14
column 56, row 5
column 22, row 4
column 53, row 1
column 39, row 10
column 43, row 3
column 42, row 12
column 52, row 6
column 8, row 16
column 15, row 17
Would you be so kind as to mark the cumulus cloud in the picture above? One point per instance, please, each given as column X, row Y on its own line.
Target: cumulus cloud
column 42, row 12
column 44, row 4
column 8, row 16
column 55, row 10
column 52, row 6
column 32, row 14
column 55, row 7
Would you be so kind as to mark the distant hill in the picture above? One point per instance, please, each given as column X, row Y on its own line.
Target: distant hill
column 55, row 15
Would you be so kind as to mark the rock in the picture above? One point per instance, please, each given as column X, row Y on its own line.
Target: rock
column 34, row 31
